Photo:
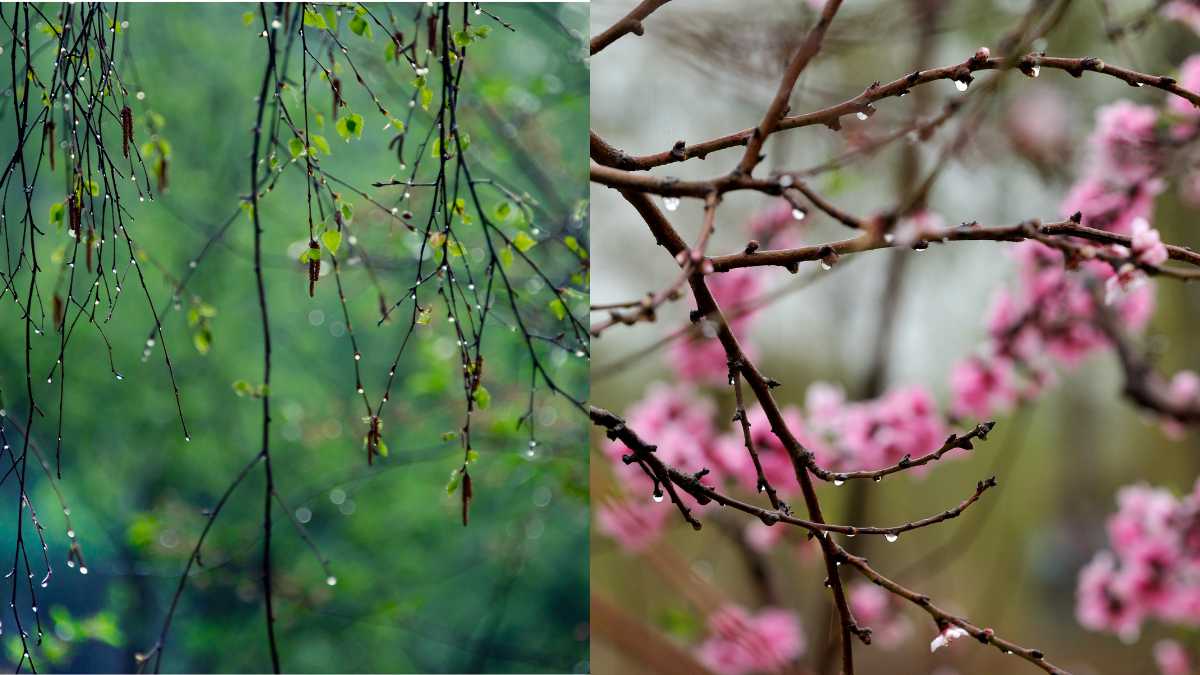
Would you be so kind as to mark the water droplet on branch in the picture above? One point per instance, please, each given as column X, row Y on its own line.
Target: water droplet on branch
column 671, row 203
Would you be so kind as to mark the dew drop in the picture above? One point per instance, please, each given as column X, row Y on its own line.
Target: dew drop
column 960, row 85
column 889, row 237
column 827, row 266
column 187, row 438
column 891, row 537
column 837, row 481
column 671, row 203
column 120, row 376
column 1036, row 70
column 332, row 580
column 877, row 478
column 83, row 570
column 862, row 116
column 658, row 498
column 797, row 214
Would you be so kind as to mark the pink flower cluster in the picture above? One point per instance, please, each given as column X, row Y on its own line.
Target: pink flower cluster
column 1186, row 12
column 1152, row 569
column 1048, row 317
column 740, row 643
column 1121, row 182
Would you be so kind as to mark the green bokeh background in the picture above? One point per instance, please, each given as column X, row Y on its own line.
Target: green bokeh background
column 415, row 591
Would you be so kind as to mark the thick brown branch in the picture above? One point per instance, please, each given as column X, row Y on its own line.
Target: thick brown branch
column 632, row 23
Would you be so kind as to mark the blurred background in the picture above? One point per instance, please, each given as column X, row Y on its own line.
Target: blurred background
column 707, row 68
column 415, row 590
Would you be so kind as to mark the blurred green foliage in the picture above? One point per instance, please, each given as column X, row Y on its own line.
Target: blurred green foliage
column 415, row 590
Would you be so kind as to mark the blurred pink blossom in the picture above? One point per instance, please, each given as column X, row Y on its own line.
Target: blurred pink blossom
column 1172, row 658
column 1189, row 78
column 703, row 358
column 981, row 389
column 634, row 525
column 1147, row 244
column 1152, row 566
column 740, row 643
column 878, row 609
column 1186, row 12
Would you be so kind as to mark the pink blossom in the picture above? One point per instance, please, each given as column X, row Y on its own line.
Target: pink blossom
column 679, row 422
column 1147, row 244
column 1098, row 606
column 1111, row 207
column 980, row 389
column 1189, row 78
column 1183, row 11
column 772, row 455
column 1126, row 279
column 904, row 421
column 1185, row 386
column 947, row 635
column 634, row 525
column 1123, row 141
column 740, row 643
column 1172, row 658
column 762, row 537
column 920, row 224
column 876, row 608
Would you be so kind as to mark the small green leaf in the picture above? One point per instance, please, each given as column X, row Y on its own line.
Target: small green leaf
column 347, row 210
column 390, row 52
column 321, row 143
column 462, row 38
column 452, row 486
column 330, row 18
column 426, row 97
column 425, row 316
column 472, row 456
column 503, row 211
column 449, row 435
column 297, row 147
column 203, row 340
column 482, row 397
column 360, row 27
column 56, row 214
column 436, row 152
column 465, row 140
column 483, row 31
column 506, row 256
column 93, row 188
column 571, row 243
column 382, row 448
column 560, row 310
column 350, row 124
column 456, row 248
column 523, row 242
column 248, row 18
column 398, row 124
column 242, row 388
column 332, row 240
column 304, row 256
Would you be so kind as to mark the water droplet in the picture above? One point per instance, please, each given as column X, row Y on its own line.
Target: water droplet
column 877, row 478
column 71, row 533
column 187, row 438
column 889, row 237
column 658, row 498
column 1036, row 70
column 332, row 580
column 797, row 214
column 960, row 85
column 891, row 537
column 1137, row 84
column 862, row 116
column 357, row 357
column 827, row 266
column 193, row 264
column 837, row 481
column 120, row 376
column 671, row 203
column 83, row 570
